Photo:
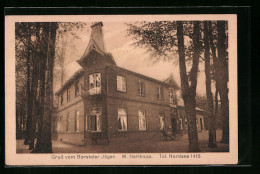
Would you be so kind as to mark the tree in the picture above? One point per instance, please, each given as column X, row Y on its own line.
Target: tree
column 210, row 108
column 164, row 40
column 223, row 75
column 35, row 57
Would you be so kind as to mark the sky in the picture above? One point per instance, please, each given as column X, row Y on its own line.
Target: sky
column 126, row 56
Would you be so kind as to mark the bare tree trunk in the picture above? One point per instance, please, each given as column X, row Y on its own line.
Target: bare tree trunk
column 44, row 144
column 42, row 79
column 223, row 74
column 211, row 115
column 189, row 92
column 28, row 89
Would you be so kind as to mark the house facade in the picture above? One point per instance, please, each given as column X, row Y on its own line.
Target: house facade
column 103, row 103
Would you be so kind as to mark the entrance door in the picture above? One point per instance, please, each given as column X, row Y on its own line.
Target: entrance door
column 174, row 125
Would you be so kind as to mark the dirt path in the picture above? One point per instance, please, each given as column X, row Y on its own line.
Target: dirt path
column 136, row 147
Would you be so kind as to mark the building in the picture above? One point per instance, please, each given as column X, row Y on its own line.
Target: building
column 104, row 103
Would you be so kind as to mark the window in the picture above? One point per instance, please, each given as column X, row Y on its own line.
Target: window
column 68, row 95
column 59, row 123
column 121, row 83
column 68, row 123
column 76, row 89
column 122, row 119
column 171, row 96
column 142, row 122
column 162, row 121
column 95, row 83
column 61, row 99
column 159, row 92
column 140, row 88
column 77, row 121
column 95, row 120
column 55, row 124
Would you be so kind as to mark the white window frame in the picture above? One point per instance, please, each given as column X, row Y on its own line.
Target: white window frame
column 96, row 89
column 77, row 121
column 142, row 120
column 122, row 119
column 98, row 121
column 120, row 85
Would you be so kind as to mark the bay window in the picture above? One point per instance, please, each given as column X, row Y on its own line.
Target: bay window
column 95, row 83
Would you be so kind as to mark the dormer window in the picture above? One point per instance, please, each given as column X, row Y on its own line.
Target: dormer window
column 95, row 83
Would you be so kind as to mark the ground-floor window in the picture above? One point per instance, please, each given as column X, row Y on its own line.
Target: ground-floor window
column 68, row 123
column 77, row 121
column 55, row 124
column 162, row 121
column 122, row 119
column 95, row 120
column 142, row 121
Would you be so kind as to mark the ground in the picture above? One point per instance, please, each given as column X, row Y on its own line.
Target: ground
column 180, row 145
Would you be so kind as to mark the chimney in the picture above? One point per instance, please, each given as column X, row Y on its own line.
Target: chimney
column 97, row 35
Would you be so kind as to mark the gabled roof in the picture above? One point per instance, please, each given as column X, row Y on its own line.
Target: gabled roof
column 70, row 81
column 170, row 81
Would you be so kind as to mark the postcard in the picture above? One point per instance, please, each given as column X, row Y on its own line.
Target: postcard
column 121, row 90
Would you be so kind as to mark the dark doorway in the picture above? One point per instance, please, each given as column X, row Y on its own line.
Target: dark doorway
column 174, row 125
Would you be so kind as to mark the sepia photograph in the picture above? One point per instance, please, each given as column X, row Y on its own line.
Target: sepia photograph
column 113, row 90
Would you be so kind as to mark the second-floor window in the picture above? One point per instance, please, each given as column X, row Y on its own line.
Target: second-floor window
column 121, row 83
column 76, row 89
column 95, row 83
column 140, row 90
column 68, row 95
column 159, row 92
column 61, row 99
